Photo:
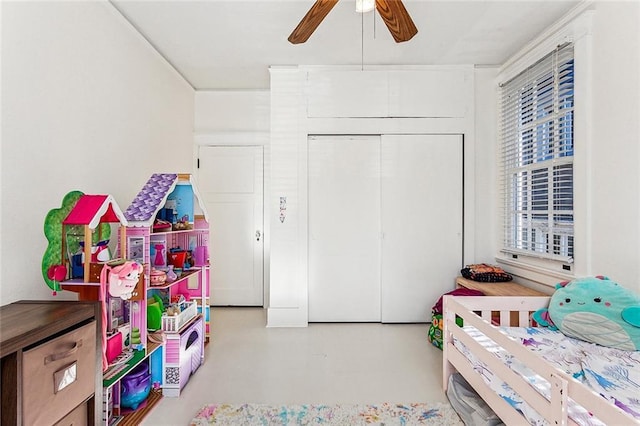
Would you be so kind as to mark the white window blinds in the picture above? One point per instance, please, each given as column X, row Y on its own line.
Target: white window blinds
column 536, row 132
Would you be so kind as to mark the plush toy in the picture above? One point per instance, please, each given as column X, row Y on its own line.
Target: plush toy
column 123, row 279
column 594, row 309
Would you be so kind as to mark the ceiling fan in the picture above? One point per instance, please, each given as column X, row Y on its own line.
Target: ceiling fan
column 392, row 12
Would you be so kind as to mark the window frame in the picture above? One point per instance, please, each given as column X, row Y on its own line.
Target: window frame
column 575, row 27
column 537, row 154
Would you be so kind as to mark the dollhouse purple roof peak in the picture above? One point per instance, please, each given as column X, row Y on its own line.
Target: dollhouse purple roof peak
column 151, row 198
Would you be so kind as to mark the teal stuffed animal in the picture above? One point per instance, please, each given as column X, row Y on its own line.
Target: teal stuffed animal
column 594, row 309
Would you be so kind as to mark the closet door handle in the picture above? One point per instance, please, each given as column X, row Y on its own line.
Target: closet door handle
column 258, row 235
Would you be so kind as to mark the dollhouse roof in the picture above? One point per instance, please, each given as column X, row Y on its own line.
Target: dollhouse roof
column 153, row 196
column 92, row 210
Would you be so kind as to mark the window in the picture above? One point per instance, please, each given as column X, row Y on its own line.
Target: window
column 536, row 132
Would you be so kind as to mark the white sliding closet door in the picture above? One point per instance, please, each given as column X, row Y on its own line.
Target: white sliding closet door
column 344, row 228
column 421, row 222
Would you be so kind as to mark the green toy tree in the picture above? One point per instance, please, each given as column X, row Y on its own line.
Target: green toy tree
column 53, row 232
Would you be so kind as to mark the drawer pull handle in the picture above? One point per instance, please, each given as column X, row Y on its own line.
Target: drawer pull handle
column 62, row 355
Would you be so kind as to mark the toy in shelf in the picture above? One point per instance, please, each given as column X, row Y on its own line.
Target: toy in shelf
column 178, row 257
column 159, row 259
column 201, row 256
column 161, row 225
column 136, row 387
column 120, row 279
column 182, row 224
column 155, row 308
column 99, row 251
column 157, row 277
column 135, row 336
column 171, row 275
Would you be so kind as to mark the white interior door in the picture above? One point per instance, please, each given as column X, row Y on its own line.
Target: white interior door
column 230, row 180
column 344, row 228
column 422, row 217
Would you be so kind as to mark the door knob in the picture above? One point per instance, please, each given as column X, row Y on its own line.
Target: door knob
column 258, row 235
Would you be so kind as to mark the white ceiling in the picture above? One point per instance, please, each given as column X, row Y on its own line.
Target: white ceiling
column 230, row 44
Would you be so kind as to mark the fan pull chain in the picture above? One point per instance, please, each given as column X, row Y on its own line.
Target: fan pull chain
column 374, row 23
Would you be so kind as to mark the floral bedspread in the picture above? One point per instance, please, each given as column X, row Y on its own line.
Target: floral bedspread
column 612, row 373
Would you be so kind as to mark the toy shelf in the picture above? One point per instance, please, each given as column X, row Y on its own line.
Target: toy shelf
column 79, row 282
column 170, row 198
column 111, row 385
column 183, row 277
column 136, row 417
column 179, row 231
column 175, row 323
column 86, row 291
column 138, row 357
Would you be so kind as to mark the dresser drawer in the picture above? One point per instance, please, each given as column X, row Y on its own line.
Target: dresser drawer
column 58, row 375
column 77, row 417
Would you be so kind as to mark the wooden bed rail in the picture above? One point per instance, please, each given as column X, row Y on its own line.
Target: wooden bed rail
column 480, row 312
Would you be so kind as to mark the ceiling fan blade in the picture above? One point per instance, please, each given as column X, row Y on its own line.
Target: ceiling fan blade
column 311, row 20
column 397, row 19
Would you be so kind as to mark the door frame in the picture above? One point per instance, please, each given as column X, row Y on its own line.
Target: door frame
column 246, row 139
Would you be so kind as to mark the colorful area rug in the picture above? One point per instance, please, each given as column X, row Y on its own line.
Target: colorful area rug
column 339, row 414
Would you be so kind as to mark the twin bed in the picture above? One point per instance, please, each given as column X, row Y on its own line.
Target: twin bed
column 534, row 375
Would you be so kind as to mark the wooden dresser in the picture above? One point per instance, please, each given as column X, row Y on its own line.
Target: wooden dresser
column 51, row 363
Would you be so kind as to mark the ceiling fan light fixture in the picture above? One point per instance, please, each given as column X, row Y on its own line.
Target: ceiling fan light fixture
column 364, row 6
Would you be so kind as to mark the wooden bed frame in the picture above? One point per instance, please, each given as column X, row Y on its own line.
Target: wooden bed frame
column 480, row 311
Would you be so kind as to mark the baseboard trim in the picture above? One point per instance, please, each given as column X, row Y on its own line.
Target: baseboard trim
column 287, row 317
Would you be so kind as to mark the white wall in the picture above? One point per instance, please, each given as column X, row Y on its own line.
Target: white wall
column 87, row 105
column 231, row 111
column 615, row 171
column 485, row 178
column 286, row 295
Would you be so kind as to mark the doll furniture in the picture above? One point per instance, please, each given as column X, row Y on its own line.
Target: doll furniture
column 183, row 355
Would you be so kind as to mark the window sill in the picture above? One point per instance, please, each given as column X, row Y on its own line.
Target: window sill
column 539, row 274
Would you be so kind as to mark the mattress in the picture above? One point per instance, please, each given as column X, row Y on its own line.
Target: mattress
column 612, row 373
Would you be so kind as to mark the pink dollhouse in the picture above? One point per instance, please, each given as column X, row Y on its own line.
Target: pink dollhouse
column 168, row 232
